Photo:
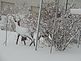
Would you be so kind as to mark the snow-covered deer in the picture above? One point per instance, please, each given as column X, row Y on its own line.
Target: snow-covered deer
column 23, row 32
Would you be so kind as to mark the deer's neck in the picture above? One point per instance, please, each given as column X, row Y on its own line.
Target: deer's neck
column 18, row 23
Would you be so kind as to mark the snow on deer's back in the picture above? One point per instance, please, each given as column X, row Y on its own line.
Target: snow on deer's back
column 22, row 31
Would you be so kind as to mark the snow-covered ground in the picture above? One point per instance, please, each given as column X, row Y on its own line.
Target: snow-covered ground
column 13, row 52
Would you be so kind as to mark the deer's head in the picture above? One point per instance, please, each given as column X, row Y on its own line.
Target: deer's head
column 16, row 21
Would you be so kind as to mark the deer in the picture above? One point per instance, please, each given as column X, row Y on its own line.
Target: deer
column 23, row 32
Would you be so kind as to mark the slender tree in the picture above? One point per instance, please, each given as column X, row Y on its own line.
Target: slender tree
column 56, row 7
column 38, row 25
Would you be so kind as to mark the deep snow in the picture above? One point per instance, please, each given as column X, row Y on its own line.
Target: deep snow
column 13, row 52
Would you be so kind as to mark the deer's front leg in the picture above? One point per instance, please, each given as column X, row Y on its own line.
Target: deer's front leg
column 17, row 38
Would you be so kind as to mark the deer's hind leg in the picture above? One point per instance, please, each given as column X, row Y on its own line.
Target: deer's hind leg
column 32, row 42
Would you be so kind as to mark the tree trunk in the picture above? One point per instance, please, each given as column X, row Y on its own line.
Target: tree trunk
column 38, row 25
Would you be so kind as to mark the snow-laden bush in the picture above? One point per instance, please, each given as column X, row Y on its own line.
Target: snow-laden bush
column 64, row 27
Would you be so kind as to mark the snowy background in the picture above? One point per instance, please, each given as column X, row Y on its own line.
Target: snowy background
column 56, row 21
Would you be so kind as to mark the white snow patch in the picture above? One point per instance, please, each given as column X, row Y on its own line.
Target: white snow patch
column 13, row 52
